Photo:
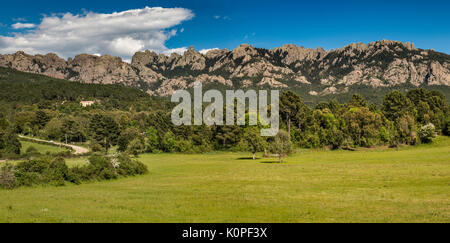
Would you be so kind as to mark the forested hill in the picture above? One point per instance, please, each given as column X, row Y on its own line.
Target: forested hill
column 23, row 87
column 135, row 122
column 16, row 86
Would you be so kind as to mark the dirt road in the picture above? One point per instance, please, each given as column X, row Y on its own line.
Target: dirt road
column 77, row 149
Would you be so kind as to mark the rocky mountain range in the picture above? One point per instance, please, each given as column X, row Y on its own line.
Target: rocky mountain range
column 378, row 64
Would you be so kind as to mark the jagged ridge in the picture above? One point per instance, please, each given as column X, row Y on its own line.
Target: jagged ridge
column 379, row 64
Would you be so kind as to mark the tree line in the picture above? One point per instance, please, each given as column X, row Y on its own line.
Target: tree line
column 143, row 124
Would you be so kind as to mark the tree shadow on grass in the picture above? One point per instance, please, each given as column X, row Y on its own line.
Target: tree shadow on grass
column 247, row 158
column 270, row 162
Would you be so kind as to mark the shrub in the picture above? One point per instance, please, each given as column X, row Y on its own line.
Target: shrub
column 130, row 167
column 31, row 152
column 169, row 142
column 64, row 154
column 96, row 148
column 427, row 133
column 31, row 149
column 136, row 146
column 446, row 127
column 152, row 139
column 101, row 168
column 81, row 173
column 42, row 171
column 183, row 146
column 7, row 177
column 55, row 171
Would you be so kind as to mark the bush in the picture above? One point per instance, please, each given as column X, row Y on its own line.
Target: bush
column 55, row 172
column 169, row 142
column 31, row 149
column 130, row 167
column 136, row 146
column 152, row 139
column 31, row 152
column 183, row 146
column 96, row 148
column 64, row 154
column 427, row 133
column 42, row 171
column 102, row 167
column 446, row 127
column 81, row 173
column 7, row 177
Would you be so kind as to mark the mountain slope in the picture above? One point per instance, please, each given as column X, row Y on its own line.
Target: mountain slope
column 379, row 65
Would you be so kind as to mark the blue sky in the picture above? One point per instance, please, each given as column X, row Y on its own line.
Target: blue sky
column 268, row 24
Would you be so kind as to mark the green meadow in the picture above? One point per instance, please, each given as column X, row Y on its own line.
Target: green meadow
column 42, row 148
column 409, row 184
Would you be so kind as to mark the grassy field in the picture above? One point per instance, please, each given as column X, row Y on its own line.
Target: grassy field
column 376, row 185
column 42, row 148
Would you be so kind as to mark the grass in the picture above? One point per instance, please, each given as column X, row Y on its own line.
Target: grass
column 411, row 184
column 42, row 148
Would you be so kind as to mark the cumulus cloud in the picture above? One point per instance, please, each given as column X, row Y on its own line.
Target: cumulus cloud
column 119, row 33
column 23, row 26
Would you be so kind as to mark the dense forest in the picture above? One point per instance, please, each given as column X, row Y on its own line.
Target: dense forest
column 39, row 106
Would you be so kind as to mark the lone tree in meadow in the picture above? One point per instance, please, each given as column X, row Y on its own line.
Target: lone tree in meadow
column 281, row 144
column 253, row 140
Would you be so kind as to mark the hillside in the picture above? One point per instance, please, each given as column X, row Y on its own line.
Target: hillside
column 16, row 86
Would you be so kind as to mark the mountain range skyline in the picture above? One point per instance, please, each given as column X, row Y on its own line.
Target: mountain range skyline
column 122, row 28
column 312, row 72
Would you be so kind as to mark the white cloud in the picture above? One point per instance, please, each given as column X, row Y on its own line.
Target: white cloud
column 23, row 26
column 119, row 33
column 180, row 51
column 204, row 51
column 123, row 46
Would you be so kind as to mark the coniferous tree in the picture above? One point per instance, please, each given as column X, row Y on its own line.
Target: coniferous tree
column 290, row 104
column 105, row 130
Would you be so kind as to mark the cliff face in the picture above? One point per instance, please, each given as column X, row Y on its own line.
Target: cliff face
column 378, row 64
